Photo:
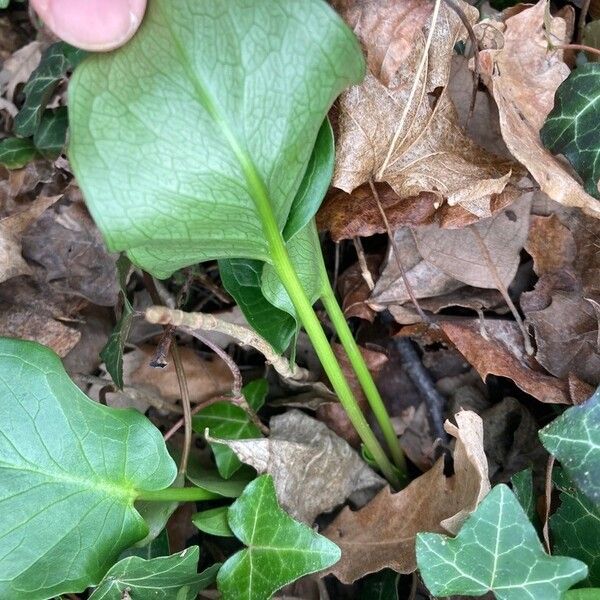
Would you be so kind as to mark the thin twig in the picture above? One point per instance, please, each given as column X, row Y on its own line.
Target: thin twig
column 362, row 262
column 423, row 61
column 398, row 255
column 582, row 47
column 336, row 266
column 548, row 502
column 421, row 379
column 191, row 322
column 502, row 289
column 179, row 424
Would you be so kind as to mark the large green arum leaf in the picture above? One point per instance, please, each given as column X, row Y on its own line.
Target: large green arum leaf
column 165, row 578
column 498, row 550
column 574, row 438
column 215, row 118
column 279, row 549
column 70, row 471
column 572, row 126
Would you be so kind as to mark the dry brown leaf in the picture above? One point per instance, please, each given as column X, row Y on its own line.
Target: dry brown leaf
column 12, row 228
column 495, row 347
column 314, row 470
column 431, row 153
column 483, row 253
column 382, row 534
column 18, row 68
column 354, row 289
column 523, row 76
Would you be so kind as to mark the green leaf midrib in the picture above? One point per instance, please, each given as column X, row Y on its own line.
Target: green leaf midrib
column 256, row 185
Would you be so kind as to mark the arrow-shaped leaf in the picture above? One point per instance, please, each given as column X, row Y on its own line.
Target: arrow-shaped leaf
column 70, row 470
column 279, row 549
column 498, row 550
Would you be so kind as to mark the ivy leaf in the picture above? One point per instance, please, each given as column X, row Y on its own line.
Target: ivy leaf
column 230, row 422
column 583, row 594
column 212, row 481
column 207, row 87
column 522, row 484
column 279, row 549
column 572, row 126
column 163, row 578
column 112, row 353
column 380, row 586
column 70, row 470
column 159, row 546
column 51, row 135
column 16, row 152
column 498, row 550
column 576, row 526
column 574, row 438
column 54, row 64
column 213, row 521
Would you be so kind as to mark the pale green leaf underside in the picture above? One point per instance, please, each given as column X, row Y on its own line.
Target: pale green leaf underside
column 279, row 549
column 496, row 549
column 214, row 102
column 70, row 469
column 574, row 438
column 164, row 578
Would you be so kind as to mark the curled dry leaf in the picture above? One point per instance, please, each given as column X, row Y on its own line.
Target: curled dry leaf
column 18, row 68
column 523, row 75
column 11, row 233
column 426, row 151
column 495, row 347
column 382, row 533
column 314, row 470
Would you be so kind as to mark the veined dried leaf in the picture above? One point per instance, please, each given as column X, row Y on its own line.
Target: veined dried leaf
column 314, row 470
column 382, row 533
column 19, row 67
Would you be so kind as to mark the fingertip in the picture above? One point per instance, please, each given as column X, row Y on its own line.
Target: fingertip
column 96, row 25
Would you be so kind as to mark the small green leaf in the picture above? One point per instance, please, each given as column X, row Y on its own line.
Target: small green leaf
column 163, row 578
column 70, row 470
column 498, row 550
column 583, row 594
column 16, row 152
column 230, row 422
column 112, row 353
column 213, row 482
column 51, row 135
column 522, row 485
column 576, row 526
column 54, row 64
column 572, row 126
column 279, row 549
column 591, row 38
column 574, row 438
column 380, row 586
column 159, row 546
column 213, row 521
column 242, row 278
column 225, row 121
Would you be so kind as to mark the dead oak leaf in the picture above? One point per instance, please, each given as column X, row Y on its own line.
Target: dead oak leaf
column 314, row 470
column 382, row 533
column 429, row 152
column 11, row 232
column 523, row 75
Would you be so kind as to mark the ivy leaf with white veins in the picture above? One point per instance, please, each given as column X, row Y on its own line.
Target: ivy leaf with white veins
column 163, row 578
column 279, row 549
column 498, row 550
column 70, row 471
column 574, row 438
column 576, row 526
column 214, row 119
column 572, row 126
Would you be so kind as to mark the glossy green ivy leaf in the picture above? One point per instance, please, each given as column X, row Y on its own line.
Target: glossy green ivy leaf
column 572, row 126
column 172, row 577
column 70, row 470
column 242, row 278
column 159, row 546
column 230, row 422
column 211, row 480
column 574, row 438
column 17, row 152
column 54, row 64
column 112, row 353
column 255, row 286
column 279, row 549
column 51, row 135
column 575, row 527
column 214, row 119
column 498, row 550
column 213, row 521
column 522, row 485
